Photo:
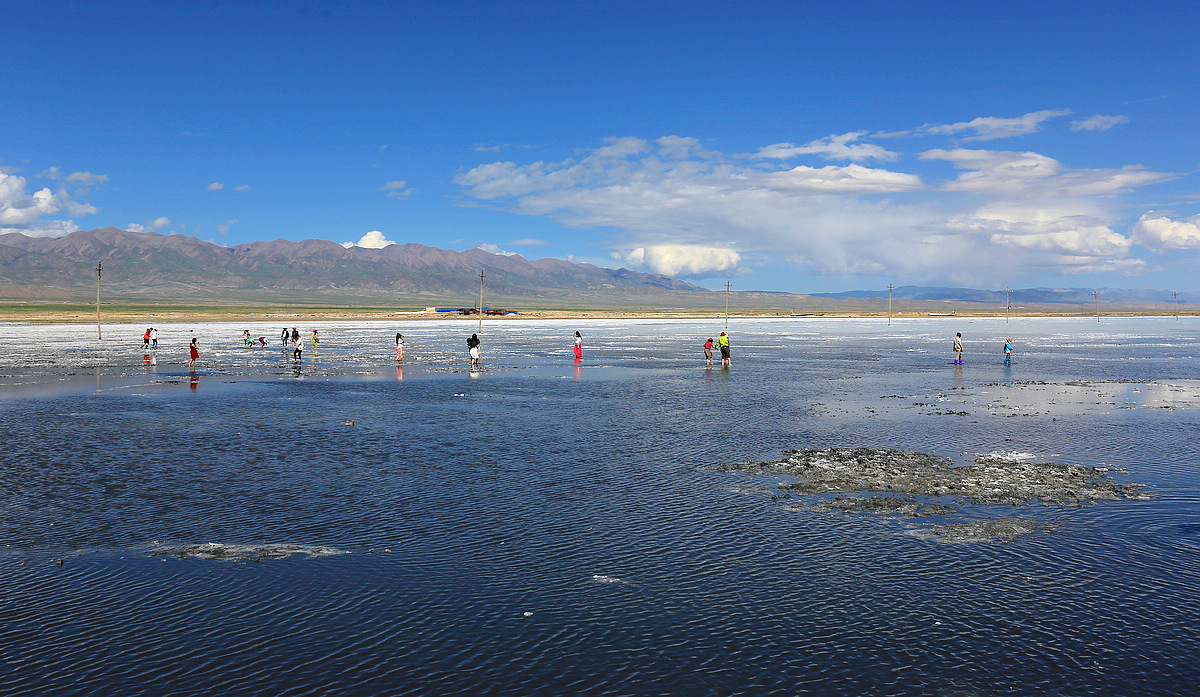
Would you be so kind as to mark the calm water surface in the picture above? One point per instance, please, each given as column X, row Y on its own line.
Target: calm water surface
column 546, row 527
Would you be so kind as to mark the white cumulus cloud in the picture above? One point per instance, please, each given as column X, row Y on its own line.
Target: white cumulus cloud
column 216, row 186
column 24, row 212
column 1159, row 232
column 372, row 240
column 157, row 224
column 495, row 249
column 851, row 179
column 683, row 260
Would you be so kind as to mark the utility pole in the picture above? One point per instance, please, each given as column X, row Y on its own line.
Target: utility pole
column 480, row 302
column 1007, row 303
column 1097, row 297
column 99, row 266
column 727, row 284
column 890, row 286
column 1176, row 294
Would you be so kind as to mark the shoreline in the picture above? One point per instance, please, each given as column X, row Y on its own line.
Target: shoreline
column 9, row 315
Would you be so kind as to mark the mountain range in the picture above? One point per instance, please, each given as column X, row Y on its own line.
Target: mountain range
column 150, row 264
column 141, row 266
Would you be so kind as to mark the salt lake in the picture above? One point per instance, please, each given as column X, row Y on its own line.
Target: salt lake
column 631, row 523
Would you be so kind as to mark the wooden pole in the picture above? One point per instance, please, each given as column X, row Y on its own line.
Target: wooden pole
column 1007, row 304
column 480, row 302
column 890, row 286
column 99, row 266
column 1097, row 297
column 727, row 284
column 1176, row 294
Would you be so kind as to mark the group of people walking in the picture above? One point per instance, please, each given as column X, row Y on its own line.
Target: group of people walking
column 723, row 346
column 292, row 337
column 958, row 350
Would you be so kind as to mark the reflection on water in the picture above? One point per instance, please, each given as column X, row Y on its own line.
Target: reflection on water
column 514, row 531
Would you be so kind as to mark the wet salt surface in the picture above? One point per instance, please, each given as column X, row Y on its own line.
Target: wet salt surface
column 542, row 527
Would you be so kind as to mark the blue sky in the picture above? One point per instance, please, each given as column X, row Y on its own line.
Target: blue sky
column 796, row 146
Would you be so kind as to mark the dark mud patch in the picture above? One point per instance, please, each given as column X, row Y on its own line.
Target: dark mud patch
column 993, row 529
column 904, row 506
column 906, row 484
column 216, row 551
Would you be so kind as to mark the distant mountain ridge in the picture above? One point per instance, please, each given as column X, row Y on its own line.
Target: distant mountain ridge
column 1024, row 296
column 150, row 263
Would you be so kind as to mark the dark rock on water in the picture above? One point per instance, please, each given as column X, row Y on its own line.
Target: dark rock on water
column 242, row 553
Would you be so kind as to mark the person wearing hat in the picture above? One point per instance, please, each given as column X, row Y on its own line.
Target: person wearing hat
column 708, row 351
column 723, row 343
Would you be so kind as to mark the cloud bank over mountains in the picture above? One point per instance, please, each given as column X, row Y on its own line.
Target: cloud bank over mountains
column 960, row 214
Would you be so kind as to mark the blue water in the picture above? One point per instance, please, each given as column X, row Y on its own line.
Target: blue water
column 542, row 527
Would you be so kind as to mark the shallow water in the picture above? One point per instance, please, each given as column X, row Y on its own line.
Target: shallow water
column 545, row 527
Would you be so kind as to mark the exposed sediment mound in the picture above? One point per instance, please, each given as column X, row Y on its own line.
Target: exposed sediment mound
column 1006, row 529
column 241, row 553
column 916, row 485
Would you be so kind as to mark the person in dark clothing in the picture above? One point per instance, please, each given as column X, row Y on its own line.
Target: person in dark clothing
column 473, row 348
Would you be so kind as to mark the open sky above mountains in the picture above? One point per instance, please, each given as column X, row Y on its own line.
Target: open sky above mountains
column 783, row 146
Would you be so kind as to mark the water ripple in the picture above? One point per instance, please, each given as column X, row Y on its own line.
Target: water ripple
column 526, row 532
